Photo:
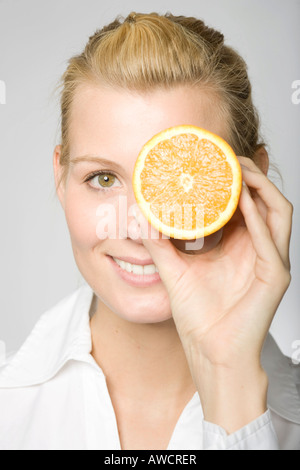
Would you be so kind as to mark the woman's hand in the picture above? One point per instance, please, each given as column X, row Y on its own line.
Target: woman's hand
column 223, row 301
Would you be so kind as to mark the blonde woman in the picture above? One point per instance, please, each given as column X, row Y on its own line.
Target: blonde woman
column 178, row 357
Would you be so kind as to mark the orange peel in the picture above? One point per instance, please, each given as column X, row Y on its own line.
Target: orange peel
column 187, row 182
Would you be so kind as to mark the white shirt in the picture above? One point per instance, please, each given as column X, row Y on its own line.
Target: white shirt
column 53, row 395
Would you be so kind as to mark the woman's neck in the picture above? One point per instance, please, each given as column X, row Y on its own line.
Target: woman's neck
column 140, row 360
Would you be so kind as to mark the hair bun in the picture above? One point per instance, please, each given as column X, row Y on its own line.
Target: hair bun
column 198, row 27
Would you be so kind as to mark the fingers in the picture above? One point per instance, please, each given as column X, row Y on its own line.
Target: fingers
column 275, row 210
column 256, row 179
column 260, row 234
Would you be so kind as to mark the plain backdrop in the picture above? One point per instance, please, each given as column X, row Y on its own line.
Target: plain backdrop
column 36, row 40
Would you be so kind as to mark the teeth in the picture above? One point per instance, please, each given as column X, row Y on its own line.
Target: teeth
column 137, row 268
column 128, row 267
column 149, row 269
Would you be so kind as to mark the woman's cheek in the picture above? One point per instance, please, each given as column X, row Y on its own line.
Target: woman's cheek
column 81, row 217
column 93, row 217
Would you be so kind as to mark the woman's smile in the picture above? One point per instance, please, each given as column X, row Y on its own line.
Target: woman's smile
column 139, row 274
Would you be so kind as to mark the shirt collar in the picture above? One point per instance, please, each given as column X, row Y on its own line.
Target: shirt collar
column 63, row 333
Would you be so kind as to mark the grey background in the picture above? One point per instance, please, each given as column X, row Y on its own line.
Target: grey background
column 36, row 39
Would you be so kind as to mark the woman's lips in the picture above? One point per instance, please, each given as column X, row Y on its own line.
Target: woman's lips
column 131, row 260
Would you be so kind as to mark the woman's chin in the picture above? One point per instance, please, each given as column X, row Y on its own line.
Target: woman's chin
column 139, row 310
column 144, row 313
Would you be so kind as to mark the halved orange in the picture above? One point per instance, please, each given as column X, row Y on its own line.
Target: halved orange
column 187, row 182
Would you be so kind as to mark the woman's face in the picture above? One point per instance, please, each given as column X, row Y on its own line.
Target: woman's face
column 108, row 128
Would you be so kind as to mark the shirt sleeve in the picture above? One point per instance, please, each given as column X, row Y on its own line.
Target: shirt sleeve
column 257, row 435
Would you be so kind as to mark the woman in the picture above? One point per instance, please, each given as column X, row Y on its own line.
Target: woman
column 175, row 359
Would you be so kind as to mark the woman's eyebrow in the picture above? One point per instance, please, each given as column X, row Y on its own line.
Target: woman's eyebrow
column 95, row 159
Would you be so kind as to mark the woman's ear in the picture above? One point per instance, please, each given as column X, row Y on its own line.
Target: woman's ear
column 261, row 159
column 59, row 184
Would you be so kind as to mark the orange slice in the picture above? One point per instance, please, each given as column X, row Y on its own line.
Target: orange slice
column 187, row 182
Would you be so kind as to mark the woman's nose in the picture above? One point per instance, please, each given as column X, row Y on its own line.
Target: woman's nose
column 128, row 225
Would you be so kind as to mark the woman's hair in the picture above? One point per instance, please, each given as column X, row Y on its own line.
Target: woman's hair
column 145, row 51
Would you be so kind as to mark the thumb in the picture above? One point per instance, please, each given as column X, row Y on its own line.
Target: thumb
column 168, row 260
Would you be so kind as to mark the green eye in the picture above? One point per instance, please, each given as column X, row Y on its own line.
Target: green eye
column 106, row 180
column 103, row 181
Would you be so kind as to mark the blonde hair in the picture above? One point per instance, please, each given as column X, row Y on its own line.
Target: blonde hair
column 151, row 50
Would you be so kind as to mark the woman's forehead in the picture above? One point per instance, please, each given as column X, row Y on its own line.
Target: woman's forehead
column 116, row 121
